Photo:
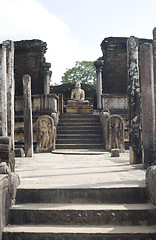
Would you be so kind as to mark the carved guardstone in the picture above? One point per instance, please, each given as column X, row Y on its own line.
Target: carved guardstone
column 46, row 134
column 115, row 133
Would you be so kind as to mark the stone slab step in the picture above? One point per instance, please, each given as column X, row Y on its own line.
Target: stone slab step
column 78, row 127
column 79, row 146
column 79, row 141
column 83, row 214
column 82, row 195
column 106, row 232
column 79, row 115
column 79, row 120
column 79, row 131
column 77, row 136
column 81, row 124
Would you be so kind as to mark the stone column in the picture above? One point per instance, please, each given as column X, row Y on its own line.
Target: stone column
column 47, row 77
column 28, row 129
column 99, row 65
column 154, row 59
column 148, row 103
column 134, row 101
column 3, row 92
column 9, row 45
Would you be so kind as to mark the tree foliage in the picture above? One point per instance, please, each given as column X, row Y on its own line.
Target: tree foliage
column 83, row 72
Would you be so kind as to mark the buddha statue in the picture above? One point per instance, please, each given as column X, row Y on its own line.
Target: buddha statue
column 78, row 96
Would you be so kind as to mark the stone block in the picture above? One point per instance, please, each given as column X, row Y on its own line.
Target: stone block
column 7, row 153
column 78, row 109
column 151, row 183
column 115, row 152
column 19, row 152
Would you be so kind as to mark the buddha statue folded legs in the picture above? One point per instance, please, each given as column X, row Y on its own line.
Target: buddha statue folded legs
column 78, row 96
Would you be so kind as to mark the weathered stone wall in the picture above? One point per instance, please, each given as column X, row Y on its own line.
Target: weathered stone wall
column 114, row 76
column 29, row 59
column 115, row 65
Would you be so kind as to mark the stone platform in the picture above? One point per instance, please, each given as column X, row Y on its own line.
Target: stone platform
column 81, row 196
column 81, row 170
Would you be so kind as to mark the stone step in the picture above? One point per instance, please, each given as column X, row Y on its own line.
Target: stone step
column 80, row 146
column 75, row 119
column 79, row 131
column 85, row 120
column 73, row 127
column 79, row 115
column 79, row 141
column 79, row 136
column 83, row 214
column 82, row 195
column 77, row 123
column 105, row 232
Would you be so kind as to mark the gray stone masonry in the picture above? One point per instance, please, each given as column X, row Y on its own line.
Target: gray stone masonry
column 28, row 129
column 148, row 104
column 134, row 101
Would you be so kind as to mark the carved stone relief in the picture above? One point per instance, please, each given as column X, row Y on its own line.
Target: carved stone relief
column 46, row 134
column 115, row 133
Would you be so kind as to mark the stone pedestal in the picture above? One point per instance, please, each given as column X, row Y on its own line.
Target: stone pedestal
column 134, row 101
column 28, row 129
column 78, row 108
column 148, row 104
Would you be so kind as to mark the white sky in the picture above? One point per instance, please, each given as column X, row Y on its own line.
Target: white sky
column 74, row 29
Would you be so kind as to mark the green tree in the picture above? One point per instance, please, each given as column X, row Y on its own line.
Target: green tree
column 83, row 72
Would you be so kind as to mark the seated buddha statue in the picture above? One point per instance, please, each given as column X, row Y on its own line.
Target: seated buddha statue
column 78, row 96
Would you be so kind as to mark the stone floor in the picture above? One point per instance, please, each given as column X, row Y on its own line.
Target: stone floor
column 78, row 169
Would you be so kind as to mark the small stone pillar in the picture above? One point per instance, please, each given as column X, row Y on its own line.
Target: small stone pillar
column 3, row 92
column 28, row 129
column 47, row 77
column 9, row 45
column 99, row 65
column 148, row 103
column 134, row 101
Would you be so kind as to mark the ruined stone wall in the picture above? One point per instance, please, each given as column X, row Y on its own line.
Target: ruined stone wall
column 114, row 75
column 29, row 59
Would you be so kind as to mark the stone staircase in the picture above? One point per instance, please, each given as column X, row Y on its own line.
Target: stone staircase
column 79, row 131
column 86, row 214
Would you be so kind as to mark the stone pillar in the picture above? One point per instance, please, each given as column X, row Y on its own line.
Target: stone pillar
column 134, row 101
column 154, row 59
column 3, row 92
column 9, row 45
column 148, row 103
column 99, row 65
column 47, row 77
column 28, row 129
